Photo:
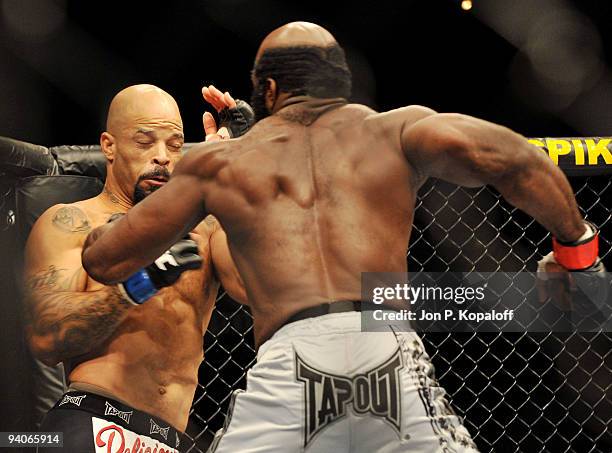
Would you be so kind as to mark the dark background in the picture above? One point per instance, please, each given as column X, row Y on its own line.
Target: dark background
column 540, row 67
column 61, row 62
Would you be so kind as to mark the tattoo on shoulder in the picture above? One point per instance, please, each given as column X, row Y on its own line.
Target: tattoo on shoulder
column 71, row 219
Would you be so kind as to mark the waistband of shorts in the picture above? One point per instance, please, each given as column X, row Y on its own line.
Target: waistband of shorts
column 340, row 306
column 332, row 323
column 120, row 413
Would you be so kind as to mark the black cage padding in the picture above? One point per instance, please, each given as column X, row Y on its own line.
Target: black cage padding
column 80, row 160
column 21, row 159
column 35, row 194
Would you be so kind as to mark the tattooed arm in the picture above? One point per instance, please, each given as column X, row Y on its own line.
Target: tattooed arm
column 65, row 316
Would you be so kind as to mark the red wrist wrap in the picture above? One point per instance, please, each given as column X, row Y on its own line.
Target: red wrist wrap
column 577, row 255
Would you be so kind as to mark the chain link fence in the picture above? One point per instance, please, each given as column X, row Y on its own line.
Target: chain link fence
column 517, row 392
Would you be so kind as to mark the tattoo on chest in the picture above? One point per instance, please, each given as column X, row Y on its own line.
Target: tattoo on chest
column 71, row 220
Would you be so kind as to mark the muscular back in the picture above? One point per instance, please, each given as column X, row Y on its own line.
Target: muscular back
column 309, row 208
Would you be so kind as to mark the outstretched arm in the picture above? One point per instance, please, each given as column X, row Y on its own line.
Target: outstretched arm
column 472, row 152
column 115, row 251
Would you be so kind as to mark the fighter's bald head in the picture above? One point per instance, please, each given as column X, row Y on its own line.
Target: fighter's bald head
column 296, row 34
column 141, row 103
column 142, row 142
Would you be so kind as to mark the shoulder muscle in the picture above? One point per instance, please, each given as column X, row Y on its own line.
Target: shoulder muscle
column 57, row 237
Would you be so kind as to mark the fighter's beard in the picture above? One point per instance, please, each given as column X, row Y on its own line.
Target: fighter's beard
column 140, row 194
column 258, row 102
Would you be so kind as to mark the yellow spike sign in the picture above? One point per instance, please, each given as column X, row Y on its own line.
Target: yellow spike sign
column 579, row 155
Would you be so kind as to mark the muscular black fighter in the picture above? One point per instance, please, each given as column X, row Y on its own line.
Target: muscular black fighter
column 317, row 192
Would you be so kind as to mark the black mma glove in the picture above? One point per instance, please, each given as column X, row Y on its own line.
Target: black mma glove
column 237, row 120
column 164, row 271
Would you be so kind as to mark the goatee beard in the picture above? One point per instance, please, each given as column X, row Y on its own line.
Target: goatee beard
column 140, row 194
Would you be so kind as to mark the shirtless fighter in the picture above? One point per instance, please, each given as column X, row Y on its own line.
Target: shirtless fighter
column 317, row 192
column 132, row 356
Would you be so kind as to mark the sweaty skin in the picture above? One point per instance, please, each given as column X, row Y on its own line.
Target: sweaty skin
column 147, row 356
column 322, row 191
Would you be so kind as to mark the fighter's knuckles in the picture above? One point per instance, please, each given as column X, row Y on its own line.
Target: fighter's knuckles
column 213, row 138
column 238, row 119
column 223, row 133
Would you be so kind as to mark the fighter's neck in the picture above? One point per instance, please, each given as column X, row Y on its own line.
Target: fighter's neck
column 114, row 198
column 306, row 109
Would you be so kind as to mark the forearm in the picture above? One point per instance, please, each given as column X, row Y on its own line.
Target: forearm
column 114, row 252
column 65, row 324
column 540, row 189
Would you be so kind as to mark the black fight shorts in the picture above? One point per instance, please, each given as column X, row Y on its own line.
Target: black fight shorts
column 92, row 423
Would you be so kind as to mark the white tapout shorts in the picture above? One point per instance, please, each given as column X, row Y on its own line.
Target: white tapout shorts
column 322, row 385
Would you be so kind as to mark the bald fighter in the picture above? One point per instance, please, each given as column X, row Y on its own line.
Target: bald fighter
column 317, row 192
column 132, row 351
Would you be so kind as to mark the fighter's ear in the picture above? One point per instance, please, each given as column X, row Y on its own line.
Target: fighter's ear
column 107, row 144
column 271, row 94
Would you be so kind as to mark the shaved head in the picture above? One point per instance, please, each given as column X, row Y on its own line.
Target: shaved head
column 297, row 34
column 140, row 102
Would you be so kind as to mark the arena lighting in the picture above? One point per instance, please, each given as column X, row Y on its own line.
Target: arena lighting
column 466, row 5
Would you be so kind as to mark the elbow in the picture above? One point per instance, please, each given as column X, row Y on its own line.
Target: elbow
column 237, row 293
column 42, row 349
column 90, row 264
column 97, row 270
column 92, row 261
column 93, row 269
